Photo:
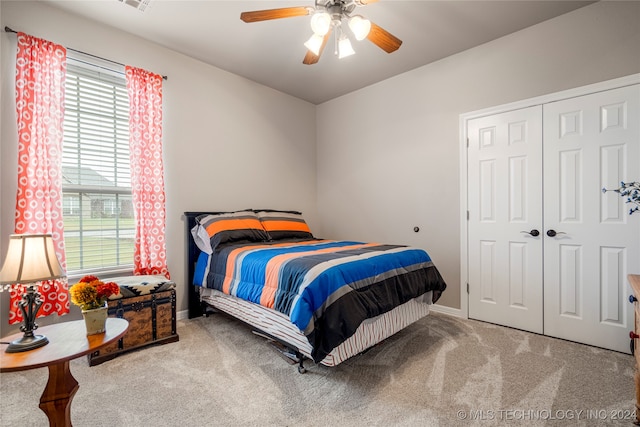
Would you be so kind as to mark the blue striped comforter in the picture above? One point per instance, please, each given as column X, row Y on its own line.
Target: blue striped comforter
column 327, row 288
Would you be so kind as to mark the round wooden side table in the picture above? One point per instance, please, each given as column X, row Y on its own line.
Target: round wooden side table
column 67, row 341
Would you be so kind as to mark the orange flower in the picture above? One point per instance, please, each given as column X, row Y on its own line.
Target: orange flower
column 91, row 293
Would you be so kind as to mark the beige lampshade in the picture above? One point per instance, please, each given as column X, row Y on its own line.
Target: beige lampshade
column 30, row 258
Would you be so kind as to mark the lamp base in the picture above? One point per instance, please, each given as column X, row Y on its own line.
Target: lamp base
column 29, row 306
column 27, row 343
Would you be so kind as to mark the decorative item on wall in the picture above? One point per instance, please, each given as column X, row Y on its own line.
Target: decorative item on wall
column 630, row 190
column 31, row 259
column 91, row 295
column 328, row 16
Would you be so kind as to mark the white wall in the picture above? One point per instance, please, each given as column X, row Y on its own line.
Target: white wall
column 388, row 154
column 229, row 143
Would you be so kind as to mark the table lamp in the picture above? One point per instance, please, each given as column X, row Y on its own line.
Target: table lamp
column 31, row 258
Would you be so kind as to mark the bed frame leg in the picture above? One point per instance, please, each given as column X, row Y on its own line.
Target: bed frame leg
column 207, row 310
column 301, row 368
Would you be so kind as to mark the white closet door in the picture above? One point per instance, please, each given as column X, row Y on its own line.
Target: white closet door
column 590, row 142
column 505, row 194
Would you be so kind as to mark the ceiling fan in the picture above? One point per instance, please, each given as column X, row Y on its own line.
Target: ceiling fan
column 328, row 15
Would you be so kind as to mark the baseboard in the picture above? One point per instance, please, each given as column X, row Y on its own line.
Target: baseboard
column 456, row 312
column 181, row 315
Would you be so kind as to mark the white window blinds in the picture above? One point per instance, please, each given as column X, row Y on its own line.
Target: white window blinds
column 97, row 207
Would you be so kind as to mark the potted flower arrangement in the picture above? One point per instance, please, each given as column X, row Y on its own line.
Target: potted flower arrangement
column 630, row 190
column 91, row 295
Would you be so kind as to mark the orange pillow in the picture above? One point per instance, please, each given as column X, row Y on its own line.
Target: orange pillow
column 284, row 225
column 212, row 230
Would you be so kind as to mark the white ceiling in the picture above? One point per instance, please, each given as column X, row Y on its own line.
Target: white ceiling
column 271, row 52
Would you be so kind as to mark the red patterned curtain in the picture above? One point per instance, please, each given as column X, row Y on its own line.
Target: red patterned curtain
column 40, row 78
column 147, row 175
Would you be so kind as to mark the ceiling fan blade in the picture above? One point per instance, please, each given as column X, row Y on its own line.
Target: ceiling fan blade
column 311, row 58
column 265, row 15
column 383, row 39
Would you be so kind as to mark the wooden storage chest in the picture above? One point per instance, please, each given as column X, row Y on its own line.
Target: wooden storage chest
column 149, row 304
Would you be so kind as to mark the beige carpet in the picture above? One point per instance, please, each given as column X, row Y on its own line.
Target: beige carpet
column 434, row 373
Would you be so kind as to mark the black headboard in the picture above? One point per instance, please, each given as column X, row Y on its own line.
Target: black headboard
column 195, row 306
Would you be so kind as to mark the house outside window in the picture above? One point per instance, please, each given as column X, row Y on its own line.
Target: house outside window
column 70, row 204
column 99, row 228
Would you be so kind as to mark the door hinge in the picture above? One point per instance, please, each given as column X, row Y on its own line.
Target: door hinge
column 467, row 288
column 467, row 215
column 467, row 142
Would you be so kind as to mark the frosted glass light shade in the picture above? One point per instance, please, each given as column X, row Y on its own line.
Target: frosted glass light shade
column 320, row 23
column 30, row 258
column 314, row 43
column 344, row 48
column 359, row 26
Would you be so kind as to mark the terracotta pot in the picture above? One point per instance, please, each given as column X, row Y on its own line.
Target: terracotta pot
column 95, row 320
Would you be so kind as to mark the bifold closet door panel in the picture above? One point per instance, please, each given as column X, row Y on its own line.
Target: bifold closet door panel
column 505, row 218
column 589, row 143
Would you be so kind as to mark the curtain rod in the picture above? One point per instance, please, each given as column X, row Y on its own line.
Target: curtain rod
column 9, row 30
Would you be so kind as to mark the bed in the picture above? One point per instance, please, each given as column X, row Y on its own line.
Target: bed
column 323, row 300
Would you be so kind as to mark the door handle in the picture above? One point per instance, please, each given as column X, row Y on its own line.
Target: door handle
column 534, row 232
column 553, row 233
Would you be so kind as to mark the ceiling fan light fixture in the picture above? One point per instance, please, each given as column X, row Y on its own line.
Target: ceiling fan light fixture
column 314, row 43
column 328, row 19
column 360, row 27
column 320, row 23
column 344, row 48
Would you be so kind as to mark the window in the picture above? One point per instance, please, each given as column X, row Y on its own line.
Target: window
column 99, row 227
